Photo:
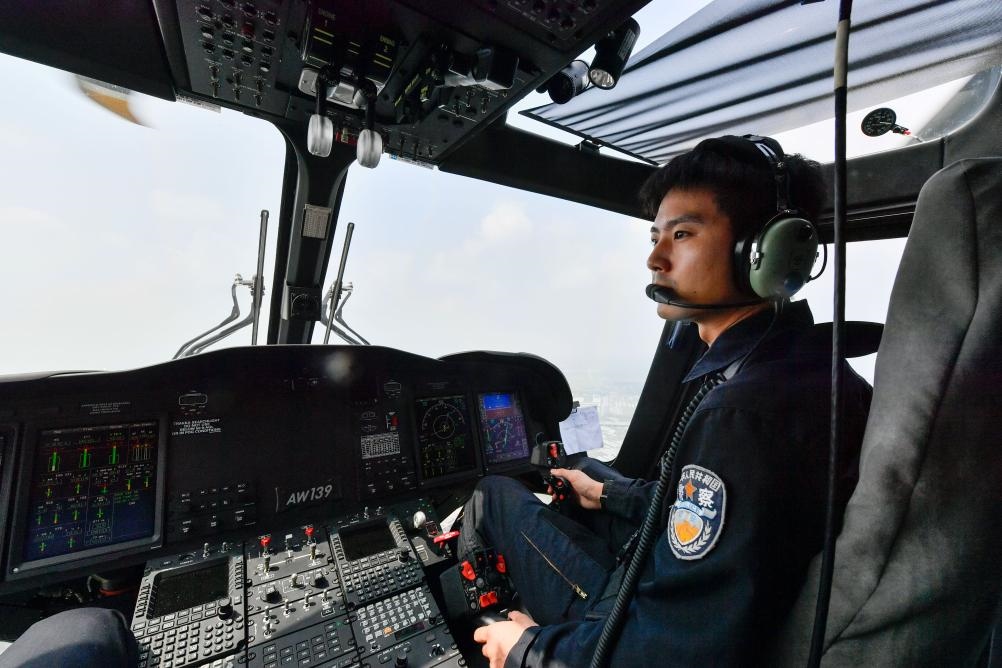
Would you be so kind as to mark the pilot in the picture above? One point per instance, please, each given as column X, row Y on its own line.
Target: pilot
column 744, row 511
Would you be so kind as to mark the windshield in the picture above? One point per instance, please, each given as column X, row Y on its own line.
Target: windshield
column 440, row 264
column 120, row 242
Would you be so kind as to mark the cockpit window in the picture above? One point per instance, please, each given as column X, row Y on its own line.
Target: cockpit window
column 925, row 115
column 442, row 264
column 870, row 270
column 120, row 242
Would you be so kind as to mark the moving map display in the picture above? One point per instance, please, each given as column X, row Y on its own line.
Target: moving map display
column 503, row 427
column 91, row 487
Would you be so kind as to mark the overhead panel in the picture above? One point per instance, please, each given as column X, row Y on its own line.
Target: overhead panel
column 440, row 70
column 755, row 66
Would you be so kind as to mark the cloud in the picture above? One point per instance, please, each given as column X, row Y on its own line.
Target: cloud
column 506, row 222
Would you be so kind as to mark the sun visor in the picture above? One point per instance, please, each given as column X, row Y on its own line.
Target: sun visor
column 752, row 66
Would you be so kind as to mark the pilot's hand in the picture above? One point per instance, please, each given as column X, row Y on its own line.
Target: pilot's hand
column 587, row 490
column 498, row 638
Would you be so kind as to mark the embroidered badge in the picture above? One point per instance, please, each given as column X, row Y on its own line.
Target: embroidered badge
column 697, row 516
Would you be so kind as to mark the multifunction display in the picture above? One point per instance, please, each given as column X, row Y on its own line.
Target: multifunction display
column 91, row 487
column 365, row 540
column 503, row 428
column 185, row 588
column 444, row 436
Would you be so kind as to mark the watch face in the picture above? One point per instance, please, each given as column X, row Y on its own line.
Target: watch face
column 878, row 122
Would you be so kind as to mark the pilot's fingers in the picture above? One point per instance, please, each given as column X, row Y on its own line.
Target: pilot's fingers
column 480, row 635
column 587, row 489
column 521, row 619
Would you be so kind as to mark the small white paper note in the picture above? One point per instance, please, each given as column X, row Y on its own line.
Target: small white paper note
column 581, row 431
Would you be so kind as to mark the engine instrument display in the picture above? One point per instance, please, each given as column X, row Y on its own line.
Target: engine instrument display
column 503, row 427
column 91, row 487
column 445, row 438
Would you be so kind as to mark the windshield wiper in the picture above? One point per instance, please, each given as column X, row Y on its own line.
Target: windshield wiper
column 256, row 285
column 333, row 298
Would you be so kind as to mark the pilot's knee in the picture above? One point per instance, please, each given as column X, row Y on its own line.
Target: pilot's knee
column 497, row 484
column 81, row 638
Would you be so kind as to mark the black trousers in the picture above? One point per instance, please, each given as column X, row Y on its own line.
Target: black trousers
column 561, row 564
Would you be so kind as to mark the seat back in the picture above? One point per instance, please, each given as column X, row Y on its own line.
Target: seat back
column 918, row 564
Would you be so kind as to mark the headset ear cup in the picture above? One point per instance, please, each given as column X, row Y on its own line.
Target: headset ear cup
column 742, row 263
column 782, row 256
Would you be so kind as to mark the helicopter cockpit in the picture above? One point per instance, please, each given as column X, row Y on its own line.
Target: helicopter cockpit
column 289, row 503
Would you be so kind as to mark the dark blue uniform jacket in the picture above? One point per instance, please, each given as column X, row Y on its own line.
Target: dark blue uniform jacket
column 716, row 592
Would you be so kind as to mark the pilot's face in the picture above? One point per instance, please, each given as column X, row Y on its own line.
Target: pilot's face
column 693, row 253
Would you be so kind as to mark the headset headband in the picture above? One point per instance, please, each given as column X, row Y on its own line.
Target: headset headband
column 773, row 152
column 751, row 149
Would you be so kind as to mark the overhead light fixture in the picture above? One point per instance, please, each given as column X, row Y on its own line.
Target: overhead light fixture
column 568, row 82
column 611, row 54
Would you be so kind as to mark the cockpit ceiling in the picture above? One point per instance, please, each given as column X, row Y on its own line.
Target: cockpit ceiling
column 760, row 66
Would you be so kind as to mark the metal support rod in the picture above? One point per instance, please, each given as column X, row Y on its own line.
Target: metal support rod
column 258, row 290
column 336, row 291
column 340, row 320
column 185, row 348
column 838, row 334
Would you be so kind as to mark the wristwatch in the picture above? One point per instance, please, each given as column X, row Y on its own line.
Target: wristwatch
column 603, row 498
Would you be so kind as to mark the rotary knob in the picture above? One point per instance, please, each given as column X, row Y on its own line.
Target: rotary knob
column 270, row 594
column 224, row 608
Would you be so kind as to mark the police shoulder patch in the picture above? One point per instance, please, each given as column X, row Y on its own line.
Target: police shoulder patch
column 697, row 516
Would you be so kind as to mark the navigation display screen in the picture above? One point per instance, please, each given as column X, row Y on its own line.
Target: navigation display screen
column 503, row 428
column 445, row 438
column 91, row 487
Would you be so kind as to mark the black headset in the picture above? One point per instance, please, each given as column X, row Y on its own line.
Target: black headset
column 776, row 259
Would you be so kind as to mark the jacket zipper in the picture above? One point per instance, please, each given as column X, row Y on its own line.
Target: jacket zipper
column 582, row 594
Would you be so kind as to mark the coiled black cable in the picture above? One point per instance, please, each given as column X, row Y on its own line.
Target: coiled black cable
column 614, row 622
column 648, row 530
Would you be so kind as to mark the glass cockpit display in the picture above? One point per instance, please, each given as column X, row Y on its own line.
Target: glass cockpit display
column 503, row 427
column 445, row 438
column 91, row 487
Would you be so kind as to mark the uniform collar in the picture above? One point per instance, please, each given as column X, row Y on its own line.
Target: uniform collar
column 737, row 341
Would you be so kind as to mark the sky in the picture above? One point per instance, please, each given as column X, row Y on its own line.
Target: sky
column 119, row 242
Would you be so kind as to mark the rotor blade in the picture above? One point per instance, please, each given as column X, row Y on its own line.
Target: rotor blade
column 113, row 98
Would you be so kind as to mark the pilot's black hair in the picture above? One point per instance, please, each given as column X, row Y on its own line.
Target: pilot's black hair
column 741, row 179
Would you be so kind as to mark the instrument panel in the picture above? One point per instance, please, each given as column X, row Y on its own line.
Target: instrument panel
column 116, row 468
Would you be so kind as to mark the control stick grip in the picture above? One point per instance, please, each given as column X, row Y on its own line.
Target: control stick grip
column 560, row 489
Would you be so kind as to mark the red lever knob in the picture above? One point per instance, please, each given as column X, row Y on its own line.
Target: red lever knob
column 445, row 537
column 501, row 566
column 466, row 570
column 265, row 541
column 309, row 531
